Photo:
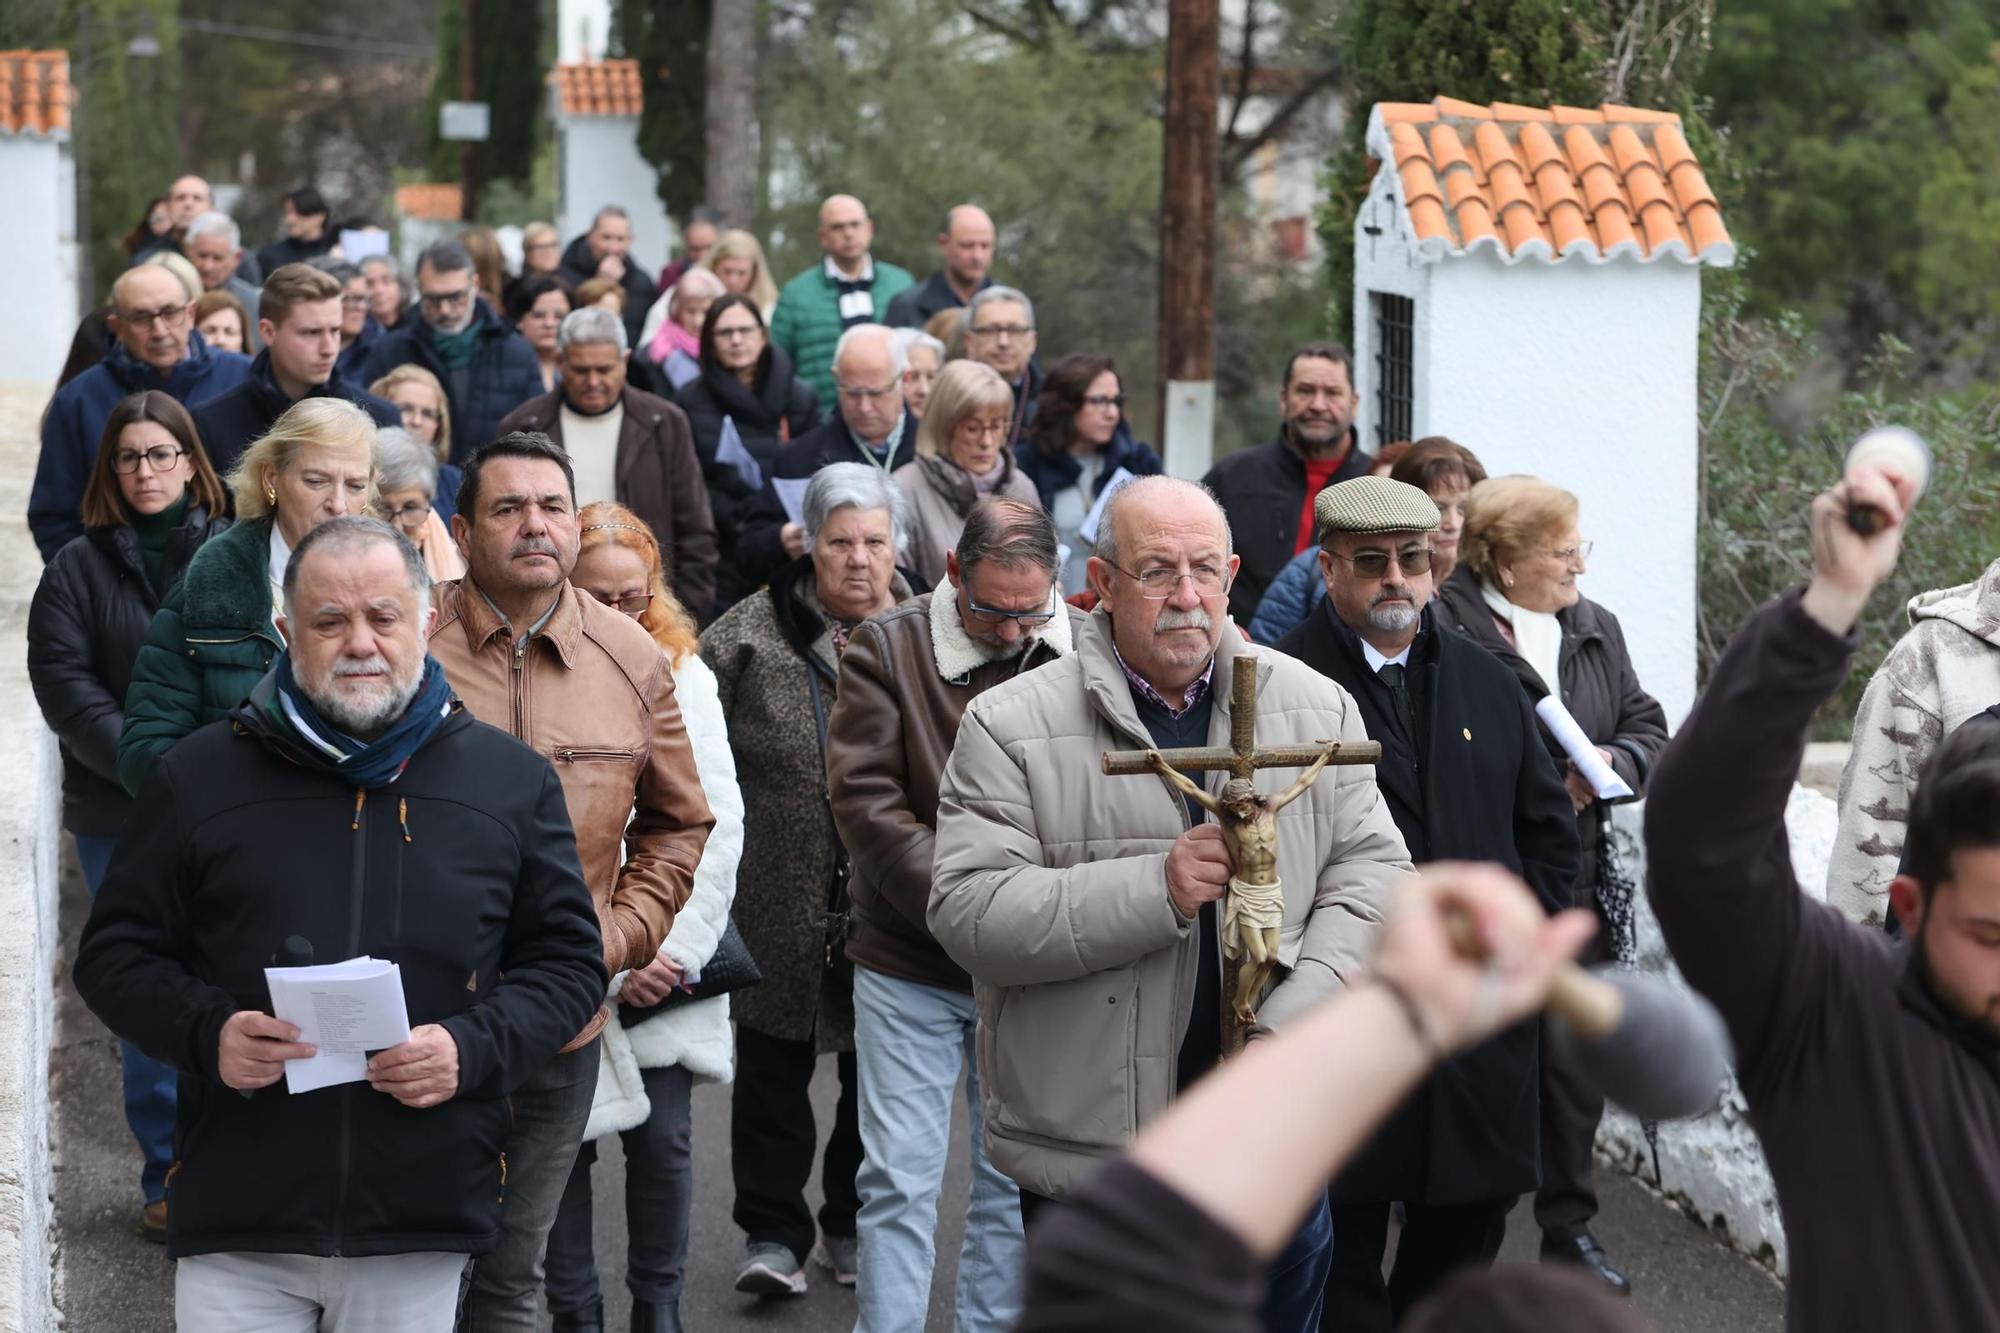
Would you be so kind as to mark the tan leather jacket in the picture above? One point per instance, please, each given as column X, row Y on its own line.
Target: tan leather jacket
column 592, row 692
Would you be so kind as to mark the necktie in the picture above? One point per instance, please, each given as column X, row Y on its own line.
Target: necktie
column 1392, row 674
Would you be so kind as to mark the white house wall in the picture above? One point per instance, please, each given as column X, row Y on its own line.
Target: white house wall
column 600, row 164
column 1584, row 375
column 37, row 237
column 1384, row 261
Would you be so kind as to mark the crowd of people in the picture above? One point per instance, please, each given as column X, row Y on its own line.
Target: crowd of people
column 686, row 679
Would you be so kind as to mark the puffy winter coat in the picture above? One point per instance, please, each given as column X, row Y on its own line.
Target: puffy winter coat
column 807, row 321
column 502, row 376
column 238, row 417
column 1290, row 598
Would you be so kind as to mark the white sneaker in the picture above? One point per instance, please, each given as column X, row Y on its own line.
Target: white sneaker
column 771, row 1270
column 841, row 1256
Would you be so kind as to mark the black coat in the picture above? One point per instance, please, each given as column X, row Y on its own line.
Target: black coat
column 577, row 268
column 464, row 872
column 760, row 550
column 287, row 250
column 1599, row 687
column 503, row 374
column 237, row 418
column 1263, row 490
column 89, row 616
column 1486, row 791
column 914, row 307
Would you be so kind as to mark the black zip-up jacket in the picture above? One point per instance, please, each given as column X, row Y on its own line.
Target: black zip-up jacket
column 463, row 871
column 1263, row 491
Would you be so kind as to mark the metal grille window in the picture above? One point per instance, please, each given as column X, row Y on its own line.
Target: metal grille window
column 1395, row 367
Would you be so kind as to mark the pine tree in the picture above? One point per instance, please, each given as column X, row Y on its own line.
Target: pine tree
column 670, row 42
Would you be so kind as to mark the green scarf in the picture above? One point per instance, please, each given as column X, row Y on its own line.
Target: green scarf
column 455, row 349
column 154, row 532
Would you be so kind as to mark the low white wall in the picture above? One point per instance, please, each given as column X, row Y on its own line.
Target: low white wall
column 1714, row 1166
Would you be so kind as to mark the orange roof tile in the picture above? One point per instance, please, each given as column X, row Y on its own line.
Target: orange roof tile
column 598, row 88
column 1550, row 182
column 34, row 93
column 432, row 203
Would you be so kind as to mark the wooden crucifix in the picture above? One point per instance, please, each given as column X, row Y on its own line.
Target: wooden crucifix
column 1253, row 910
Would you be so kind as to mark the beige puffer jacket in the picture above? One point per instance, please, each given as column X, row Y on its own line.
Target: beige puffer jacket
column 1050, row 890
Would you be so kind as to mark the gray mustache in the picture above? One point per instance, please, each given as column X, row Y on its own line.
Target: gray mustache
column 1195, row 619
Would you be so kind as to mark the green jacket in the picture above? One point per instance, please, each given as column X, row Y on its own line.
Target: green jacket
column 212, row 640
column 807, row 321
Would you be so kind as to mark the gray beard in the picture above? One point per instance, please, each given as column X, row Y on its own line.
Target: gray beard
column 1393, row 619
column 365, row 719
column 1002, row 652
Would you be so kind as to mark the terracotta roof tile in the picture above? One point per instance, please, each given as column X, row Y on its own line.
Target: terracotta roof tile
column 1550, row 183
column 34, row 93
column 433, row 203
column 598, row 88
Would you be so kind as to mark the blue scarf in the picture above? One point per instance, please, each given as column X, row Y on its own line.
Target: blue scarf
column 366, row 764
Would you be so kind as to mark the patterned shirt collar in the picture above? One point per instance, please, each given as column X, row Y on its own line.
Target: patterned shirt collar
column 1143, row 689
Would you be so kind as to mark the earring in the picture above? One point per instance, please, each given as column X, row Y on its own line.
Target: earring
column 271, row 494
column 1507, row 580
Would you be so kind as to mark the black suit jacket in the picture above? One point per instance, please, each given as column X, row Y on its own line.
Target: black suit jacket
column 1480, row 787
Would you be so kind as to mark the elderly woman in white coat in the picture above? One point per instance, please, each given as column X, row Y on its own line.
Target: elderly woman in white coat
column 660, row 1046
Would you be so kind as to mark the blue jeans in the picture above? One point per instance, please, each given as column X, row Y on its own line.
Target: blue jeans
column 550, row 1112
column 149, row 1084
column 659, row 1197
column 910, row 1042
column 1295, row 1291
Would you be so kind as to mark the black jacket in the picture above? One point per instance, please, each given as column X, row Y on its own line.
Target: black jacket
column 237, row 418
column 1263, row 490
column 914, row 307
column 464, row 872
column 578, row 267
column 355, row 355
column 1483, row 789
column 1599, row 687
column 502, row 376
column 85, row 626
column 1055, row 473
column 287, row 250
column 760, row 551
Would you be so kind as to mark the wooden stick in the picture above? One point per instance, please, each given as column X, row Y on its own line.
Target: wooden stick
column 1590, row 1005
column 1119, row 762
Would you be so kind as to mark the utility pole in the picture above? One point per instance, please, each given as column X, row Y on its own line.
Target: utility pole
column 468, row 91
column 1187, row 236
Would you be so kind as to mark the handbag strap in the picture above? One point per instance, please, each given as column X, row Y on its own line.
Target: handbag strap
column 836, row 894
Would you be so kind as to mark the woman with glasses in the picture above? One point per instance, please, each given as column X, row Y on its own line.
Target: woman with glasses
column 664, row 1041
column 776, row 656
column 152, row 501
column 962, row 457
column 1515, row 592
column 407, row 476
column 1077, row 442
column 537, row 306
column 417, row 394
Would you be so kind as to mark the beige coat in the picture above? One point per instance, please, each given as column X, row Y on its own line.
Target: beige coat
column 1050, row 890
column 934, row 520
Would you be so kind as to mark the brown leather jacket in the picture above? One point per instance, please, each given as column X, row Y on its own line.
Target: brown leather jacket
column 905, row 680
column 592, row 692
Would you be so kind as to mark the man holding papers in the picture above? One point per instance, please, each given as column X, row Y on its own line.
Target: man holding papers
column 350, row 809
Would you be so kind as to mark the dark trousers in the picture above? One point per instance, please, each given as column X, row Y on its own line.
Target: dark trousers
column 1295, row 1283
column 1437, row 1241
column 772, row 1138
column 659, row 1197
column 1572, row 1104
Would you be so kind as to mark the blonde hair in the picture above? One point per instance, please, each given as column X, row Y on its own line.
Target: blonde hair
column 1506, row 517
column 320, row 420
column 181, row 267
column 412, row 373
column 737, row 244
column 960, row 389
column 608, row 523
column 489, row 265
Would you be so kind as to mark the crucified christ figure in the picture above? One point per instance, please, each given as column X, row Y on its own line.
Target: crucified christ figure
column 1255, row 909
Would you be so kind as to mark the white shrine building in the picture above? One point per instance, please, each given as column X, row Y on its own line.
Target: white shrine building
column 38, row 226
column 1527, row 281
column 596, row 105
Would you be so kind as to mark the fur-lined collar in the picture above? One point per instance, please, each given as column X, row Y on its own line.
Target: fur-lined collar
column 958, row 656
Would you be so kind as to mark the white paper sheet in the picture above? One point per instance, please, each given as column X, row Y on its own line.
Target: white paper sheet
column 730, row 451
column 346, row 1010
column 1603, row 778
column 792, row 495
column 356, row 246
column 1088, row 532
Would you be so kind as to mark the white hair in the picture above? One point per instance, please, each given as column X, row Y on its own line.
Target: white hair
column 591, row 325
column 840, row 486
column 882, row 331
column 904, row 340
column 401, row 462
column 986, row 296
column 213, row 223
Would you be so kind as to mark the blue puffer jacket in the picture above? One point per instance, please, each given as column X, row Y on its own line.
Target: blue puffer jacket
column 503, row 375
column 1057, row 472
column 76, row 421
column 1290, row 598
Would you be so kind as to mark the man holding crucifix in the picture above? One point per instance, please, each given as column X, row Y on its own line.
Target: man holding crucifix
column 1084, row 906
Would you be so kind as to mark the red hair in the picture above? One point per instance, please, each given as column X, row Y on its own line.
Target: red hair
column 608, row 523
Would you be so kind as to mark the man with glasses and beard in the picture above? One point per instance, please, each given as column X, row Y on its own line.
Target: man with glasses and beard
column 1467, row 778
column 350, row 806
column 1084, row 906
column 905, row 680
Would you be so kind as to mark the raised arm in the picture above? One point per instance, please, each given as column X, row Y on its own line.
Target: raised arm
column 1298, row 789
column 1182, row 783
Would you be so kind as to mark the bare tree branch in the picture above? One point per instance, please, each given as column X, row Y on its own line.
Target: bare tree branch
column 1012, row 32
column 1246, row 61
column 1236, row 149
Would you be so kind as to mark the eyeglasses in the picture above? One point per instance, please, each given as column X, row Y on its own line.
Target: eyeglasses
column 444, row 300
column 160, row 458
column 633, row 604
column 984, row 430
column 1569, row 555
column 409, row 515
column 991, row 616
column 1103, row 400
column 1160, row 583
column 1001, row 331
column 1374, row 564
column 167, row 316
column 856, row 393
column 354, row 302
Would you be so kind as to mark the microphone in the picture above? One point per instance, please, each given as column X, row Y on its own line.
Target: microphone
column 296, row 951
column 1900, row 453
column 1657, row 1050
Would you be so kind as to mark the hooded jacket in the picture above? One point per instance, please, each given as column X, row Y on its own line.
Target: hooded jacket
column 75, row 425
column 1943, row 671
column 238, row 417
column 463, row 872
column 503, row 374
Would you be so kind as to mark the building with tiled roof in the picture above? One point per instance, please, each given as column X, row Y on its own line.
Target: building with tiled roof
column 34, row 93
column 598, row 88
column 596, row 105
column 430, row 203
column 38, row 226
column 1527, row 281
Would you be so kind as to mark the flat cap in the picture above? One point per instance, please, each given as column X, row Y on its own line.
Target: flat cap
column 1372, row 504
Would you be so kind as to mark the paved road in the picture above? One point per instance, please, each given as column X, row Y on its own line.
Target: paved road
column 112, row 1282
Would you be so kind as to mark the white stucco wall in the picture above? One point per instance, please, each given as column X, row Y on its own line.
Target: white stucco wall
column 598, row 163
column 38, row 244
